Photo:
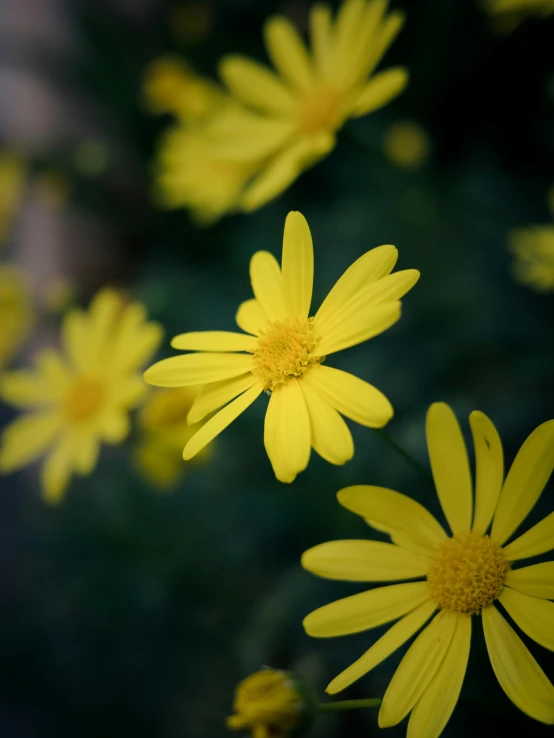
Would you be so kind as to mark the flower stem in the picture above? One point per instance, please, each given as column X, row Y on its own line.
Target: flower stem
column 348, row 705
column 421, row 470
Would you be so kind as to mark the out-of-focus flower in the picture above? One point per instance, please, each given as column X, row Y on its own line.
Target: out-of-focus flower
column 13, row 171
column 533, row 249
column 80, row 398
column 16, row 312
column 282, row 353
column 164, row 431
column 271, row 704
column 465, row 573
column 406, row 144
column 191, row 22
column 171, row 86
column 508, row 14
column 291, row 117
column 191, row 174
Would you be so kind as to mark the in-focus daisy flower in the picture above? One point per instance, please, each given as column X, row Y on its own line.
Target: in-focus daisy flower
column 16, row 312
column 164, row 430
column 406, row 144
column 533, row 249
column 171, row 86
column 270, row 704
column 81, row 397
column 508, row 14
column 292, row 115
column 282, row 353
column 466, row 572
column 13, row 170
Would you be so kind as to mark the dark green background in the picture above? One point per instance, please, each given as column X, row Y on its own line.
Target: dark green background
column 129, row 613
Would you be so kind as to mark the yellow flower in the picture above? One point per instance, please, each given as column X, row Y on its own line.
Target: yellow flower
column 292, row 116
column 465, row 573
column 79, row 398
column 508, row 14
column 16, row 312
column 282, row 350
column 533, row 249
column 406, row 144
column 268, row 705
column 171, row 86
column 12, row 178
column 164, row 431
column 191, row 174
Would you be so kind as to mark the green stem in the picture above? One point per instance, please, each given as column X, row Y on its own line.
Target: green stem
column 348, row 705
column 421, row 470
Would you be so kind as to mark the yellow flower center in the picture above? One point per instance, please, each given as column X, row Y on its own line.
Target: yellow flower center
column 467, row 573
column 285, row 350
column 267, row 703
column 83, row 400
column 320, row 110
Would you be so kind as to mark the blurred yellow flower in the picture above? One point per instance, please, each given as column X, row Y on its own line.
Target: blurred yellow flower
column 406, row 144
column 190, row 174
column 533, row 249
column 291, row 117
column 282, row 353
column 465, row 573
column 508, row 14
column 267, row 704
column 16, row 312
column 171, row 86
column 13, row 170
column 79, row 398
column 164, row 431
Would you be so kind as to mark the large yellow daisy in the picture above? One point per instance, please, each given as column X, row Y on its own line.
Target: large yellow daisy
column 291, row 117
column 79, row 398
column 467, row 572
column 282, row 352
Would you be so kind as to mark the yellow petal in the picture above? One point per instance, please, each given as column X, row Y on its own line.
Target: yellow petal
column 75, row 335
column 255, row 85
column 431, row 714
column 526, row 480
column 56, row 470
column 286, row 166
column 27, row 389
column 450, row 466
column 103, row 315
column 380, row 90
column 86, row 454
column 297, row 265
column 518, row 673
column 191, row 369
column 408, row 522
column 536, row 580
column 214, row 341
column 395, row 637
column 267, row 283
column 384, row 36
column 246, row 137
column 287, row 436
column 358, row 326
column 366, row 610
column 322, row 38
column 350, row 18
column 370, row 267
column 350, row 395
column 534, row 615
column 251, row 318
column 364, row 36
column 537, row 540
column 115, row 427
column 132, row 340
column 417, row 668
column 220, row 421
column 213, row 396
column 288, row 52
column 364, row 561
column 54, row 369
column 25, row 439
column 331, row 437
column 489, row 469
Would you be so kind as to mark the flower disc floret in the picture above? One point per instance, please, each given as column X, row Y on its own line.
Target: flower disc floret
column 84, row 400
column 467, row 573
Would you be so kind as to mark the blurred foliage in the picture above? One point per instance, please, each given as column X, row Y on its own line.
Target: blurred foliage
column 126, row 612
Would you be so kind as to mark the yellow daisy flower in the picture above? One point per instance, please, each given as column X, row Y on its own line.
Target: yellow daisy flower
column 282, row 353
column 465, row 573
column 533, row 249
column 13, row 170
column 406, row 144
column 292, row 116
column 79, row 398
column 16, row 312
